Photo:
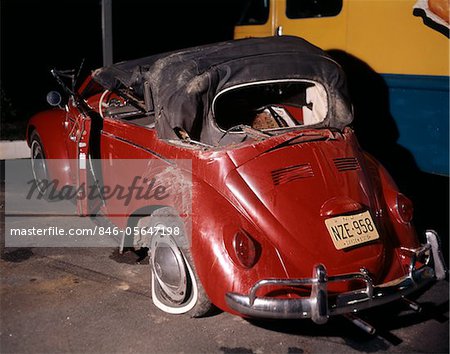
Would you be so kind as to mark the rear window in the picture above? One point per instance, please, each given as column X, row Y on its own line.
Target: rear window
column 271, row 105
column 312, row 8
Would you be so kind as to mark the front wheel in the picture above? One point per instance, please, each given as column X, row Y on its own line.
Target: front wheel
column 176, row 288
column 38, row 163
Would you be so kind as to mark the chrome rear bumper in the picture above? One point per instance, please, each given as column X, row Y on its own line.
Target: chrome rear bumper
column 317, row 306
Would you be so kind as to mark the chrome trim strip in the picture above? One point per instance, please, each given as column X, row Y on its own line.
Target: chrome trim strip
column 161, row 157
column 262, row 82
column 439, row 265
column 316, row 305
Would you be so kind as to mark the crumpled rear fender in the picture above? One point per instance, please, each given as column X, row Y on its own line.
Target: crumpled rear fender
column 215, row 221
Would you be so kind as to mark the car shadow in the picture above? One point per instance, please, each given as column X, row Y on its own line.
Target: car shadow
column 378, row 134
column 393, row 316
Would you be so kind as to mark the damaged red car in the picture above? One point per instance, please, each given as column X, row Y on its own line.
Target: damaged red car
column 289, row 217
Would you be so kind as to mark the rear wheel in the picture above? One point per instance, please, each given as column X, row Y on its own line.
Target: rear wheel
column 176, row 288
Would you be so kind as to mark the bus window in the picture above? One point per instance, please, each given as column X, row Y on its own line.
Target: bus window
column 312, row 8
column 254, row 12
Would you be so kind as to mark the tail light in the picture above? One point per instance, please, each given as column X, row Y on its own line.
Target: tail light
column 245, row 249
column 405, row 208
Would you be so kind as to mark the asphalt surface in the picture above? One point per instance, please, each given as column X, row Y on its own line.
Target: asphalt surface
column 56, row 300
column 93, row 300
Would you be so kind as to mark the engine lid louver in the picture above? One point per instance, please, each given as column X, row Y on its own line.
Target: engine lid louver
column 291, row 173
column 344, row 164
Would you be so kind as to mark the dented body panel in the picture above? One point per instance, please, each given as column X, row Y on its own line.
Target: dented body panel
column 307, row 199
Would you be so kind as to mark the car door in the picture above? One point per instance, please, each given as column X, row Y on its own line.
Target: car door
column 72, row 137
column 125, row 145
column 77, row 127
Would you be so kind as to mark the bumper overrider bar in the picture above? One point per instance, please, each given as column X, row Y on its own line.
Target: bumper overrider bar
column 317, row 306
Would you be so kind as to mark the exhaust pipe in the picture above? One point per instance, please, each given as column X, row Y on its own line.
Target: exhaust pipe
column 412, row 305
column 366, row 327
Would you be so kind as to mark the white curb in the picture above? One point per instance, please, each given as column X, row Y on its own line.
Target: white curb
column 14, row 150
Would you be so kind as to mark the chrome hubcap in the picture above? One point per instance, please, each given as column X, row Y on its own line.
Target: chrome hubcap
column 169, row 267
column 38, row 165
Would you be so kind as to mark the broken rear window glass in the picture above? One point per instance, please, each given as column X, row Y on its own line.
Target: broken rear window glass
column 271, row 105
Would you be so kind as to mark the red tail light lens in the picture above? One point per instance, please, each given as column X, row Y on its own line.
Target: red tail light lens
column 405, row 208
column 245, row 249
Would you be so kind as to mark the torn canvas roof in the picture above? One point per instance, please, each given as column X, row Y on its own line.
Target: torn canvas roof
column 184, row 83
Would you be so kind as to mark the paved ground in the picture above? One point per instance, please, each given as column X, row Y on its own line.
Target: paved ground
column 91, row 300
column 87, row 301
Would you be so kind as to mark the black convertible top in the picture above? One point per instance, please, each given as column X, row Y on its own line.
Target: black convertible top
column 184, row 83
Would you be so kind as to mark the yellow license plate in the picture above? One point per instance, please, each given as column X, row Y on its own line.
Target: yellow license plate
column 351, row 230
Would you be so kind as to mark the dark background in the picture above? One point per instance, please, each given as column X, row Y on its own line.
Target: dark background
column 38, row 35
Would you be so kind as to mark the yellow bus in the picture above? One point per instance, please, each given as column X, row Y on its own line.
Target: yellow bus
column 405, row 43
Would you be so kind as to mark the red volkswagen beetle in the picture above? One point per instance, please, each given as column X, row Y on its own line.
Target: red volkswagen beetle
column 281, row 214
